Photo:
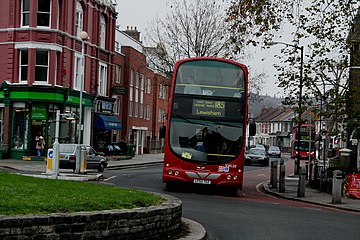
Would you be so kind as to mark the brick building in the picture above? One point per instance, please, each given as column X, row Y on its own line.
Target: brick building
column 41, row 72
column 144, row 106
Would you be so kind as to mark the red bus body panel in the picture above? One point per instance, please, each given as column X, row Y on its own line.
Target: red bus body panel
column 228, row 174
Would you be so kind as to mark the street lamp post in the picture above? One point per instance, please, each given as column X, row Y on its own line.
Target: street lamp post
column 55, row 160
column 301, row 48
column 56, row 145
column 84, row 37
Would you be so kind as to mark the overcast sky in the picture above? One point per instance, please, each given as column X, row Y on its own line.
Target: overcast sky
column 140, row 13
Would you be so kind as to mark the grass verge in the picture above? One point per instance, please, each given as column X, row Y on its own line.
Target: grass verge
column 21, row 195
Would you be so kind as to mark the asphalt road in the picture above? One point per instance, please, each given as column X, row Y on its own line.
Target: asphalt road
column 250, row 215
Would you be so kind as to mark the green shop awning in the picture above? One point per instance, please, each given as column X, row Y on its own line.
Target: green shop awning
column 109, row 122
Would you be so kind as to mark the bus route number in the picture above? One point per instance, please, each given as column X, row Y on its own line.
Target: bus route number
column 219, row 104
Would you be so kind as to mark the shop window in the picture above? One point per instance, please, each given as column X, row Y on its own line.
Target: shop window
column 20, row 128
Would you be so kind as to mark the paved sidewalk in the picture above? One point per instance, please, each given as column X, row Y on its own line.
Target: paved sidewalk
column 38, row 168
column 311, row 195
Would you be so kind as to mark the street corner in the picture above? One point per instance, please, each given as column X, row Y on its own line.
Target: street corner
column 82, row 177
column 192, row 230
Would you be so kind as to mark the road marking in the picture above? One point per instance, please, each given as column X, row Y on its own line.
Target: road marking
column 109, row 178
column 258, row 190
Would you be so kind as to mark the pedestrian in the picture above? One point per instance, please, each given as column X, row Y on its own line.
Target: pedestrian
column 40, row 144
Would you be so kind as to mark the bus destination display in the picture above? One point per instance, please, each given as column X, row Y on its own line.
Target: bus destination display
column 208, row 108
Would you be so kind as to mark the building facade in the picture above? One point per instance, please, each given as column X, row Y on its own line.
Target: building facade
column 46, row 67
column 145, row 103
column 41, row 70
column 274, row 127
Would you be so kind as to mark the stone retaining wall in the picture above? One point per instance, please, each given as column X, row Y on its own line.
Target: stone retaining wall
column 139, row 223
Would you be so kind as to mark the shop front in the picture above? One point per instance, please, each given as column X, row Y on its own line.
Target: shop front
column 106, row 125
column 27, row 113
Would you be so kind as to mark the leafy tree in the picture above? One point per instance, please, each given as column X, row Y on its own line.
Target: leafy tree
column 322, row 28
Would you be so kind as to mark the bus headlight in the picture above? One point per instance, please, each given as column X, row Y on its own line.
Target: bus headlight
column 235, row 177
column 176, row 173
column 228, row 177
column 170, row 172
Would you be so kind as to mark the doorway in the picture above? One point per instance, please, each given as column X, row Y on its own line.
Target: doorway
column 37, row 127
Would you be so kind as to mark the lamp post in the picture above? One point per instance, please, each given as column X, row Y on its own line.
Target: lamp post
column 301, row 48
column 56, row 150
column 84, row 37
column 55, row 161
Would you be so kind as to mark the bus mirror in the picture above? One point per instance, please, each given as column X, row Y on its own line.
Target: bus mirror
column 162, row 132
column 252, row 129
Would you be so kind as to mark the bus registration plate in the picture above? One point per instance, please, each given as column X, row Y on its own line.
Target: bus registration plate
column 201, row 181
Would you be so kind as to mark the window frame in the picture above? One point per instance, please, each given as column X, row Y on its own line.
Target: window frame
column 25, row 13
column 131, row 92
column 148, row 87
column 102, row 32
column 102, row 80
column 41, row 12
column 79, row 18
column 118, row 69
column 21, row 51
column 77, row 71
column 42, row 66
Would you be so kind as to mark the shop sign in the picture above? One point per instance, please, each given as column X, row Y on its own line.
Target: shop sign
column 104, row 106
column 118, row 90
column 38, row 112
column 352, row 186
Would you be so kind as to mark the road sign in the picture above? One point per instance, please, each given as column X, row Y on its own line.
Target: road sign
column 50, row 153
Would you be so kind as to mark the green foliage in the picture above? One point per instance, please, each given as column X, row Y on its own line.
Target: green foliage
column 22, row 195
column 321, row 27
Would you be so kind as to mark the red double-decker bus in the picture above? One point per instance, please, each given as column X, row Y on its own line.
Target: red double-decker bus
column 307, row 141
column 206, row 127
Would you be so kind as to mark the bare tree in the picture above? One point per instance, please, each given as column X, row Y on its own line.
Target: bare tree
column 193, row 28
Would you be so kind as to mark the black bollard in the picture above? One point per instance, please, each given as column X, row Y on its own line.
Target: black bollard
column 273, row 174
column 282, row 178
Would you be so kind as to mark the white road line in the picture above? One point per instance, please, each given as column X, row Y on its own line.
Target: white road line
column 109, row 178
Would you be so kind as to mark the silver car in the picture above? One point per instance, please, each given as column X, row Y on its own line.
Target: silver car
column 256, row 155
column 67, row 157
column 274, row 151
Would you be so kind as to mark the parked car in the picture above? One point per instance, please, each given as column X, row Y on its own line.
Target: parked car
column 115, row 149
column 67, row 157
column 256, row 155
column 274, row 151
column 260, row 146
